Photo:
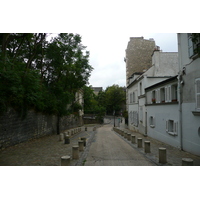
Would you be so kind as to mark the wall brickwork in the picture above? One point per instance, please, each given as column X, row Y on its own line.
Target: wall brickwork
column 138, row 55
column 14, row 130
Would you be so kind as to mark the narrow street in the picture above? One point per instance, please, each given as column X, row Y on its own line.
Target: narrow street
column 108, row 149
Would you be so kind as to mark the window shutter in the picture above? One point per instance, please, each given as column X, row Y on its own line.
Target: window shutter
column 176, row 127
column 133, row 97
column 190, row 46
column 167, row 126
column 197, row 82
column 166, row 94
column 136, row 118
column 158, row 95
column 169, row 93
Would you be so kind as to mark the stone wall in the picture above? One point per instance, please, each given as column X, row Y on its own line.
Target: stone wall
column 138, row 55
column 14, row 130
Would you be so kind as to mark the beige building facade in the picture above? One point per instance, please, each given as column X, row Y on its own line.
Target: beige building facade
column 138, row 55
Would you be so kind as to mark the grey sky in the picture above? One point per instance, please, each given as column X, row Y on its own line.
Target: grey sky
column 107, row 52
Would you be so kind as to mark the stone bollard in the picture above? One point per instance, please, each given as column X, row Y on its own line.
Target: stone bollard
column 68, row 133
column 81, row 145
column 85, row 128
column 129, row 136
column 65, row 160
column 67, row 140
column 162, row 155
column 125, row 135
column 139, row 141
column 147, row 147
column 61, row 137
column 72, row 132
column 187, row 162
column 84, row 141
column 122, row 133
column 133, row 139
column 75, row 152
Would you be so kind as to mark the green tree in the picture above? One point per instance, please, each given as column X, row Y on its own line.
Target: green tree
column 20, row 81
column 115, row 99
column 68, row 70
column 36, row 73
column 88, row 96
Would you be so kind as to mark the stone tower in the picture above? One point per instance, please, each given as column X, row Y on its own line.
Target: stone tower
column 138, row 55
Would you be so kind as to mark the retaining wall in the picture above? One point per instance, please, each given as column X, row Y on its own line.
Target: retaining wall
column 14, row 130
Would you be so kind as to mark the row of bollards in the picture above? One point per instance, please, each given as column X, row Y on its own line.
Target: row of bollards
column 66, row 135
column 161, row 151
column 65, row 160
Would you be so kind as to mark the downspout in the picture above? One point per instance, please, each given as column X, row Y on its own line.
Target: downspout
column 180, row 90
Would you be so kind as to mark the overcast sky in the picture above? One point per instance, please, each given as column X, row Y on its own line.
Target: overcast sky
column 105, row 27
column 107, row 52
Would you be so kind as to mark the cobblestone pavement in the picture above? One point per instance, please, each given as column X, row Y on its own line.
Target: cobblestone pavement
column 45, row 151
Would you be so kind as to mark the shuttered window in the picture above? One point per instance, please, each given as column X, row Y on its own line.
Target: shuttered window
column 190, row 45
column 133, row 97
column 151, row 121
column 172, row 127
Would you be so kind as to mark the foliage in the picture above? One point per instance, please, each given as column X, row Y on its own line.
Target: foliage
column 115, row 98
column 41, row 74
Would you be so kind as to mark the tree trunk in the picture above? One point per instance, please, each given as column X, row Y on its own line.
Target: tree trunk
column 58, row 124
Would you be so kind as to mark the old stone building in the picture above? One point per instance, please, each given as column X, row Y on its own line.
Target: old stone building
column 138, row 55
column 97, row 90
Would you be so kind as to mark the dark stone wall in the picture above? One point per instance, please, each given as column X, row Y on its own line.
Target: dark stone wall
column 14, row 130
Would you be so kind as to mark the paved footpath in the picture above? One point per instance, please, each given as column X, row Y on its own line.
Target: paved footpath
column 44, row 151
column 174, row 155
column 108, row 149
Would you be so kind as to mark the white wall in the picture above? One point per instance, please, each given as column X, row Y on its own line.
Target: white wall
column 190, row 122
column 161, row 114
column 190, row 129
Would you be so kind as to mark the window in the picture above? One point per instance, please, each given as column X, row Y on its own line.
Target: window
column 162, row 95
column 197, row 91
column 135, row 118
column 153, row 96
column 130, row 117
column 151, row 121
column 141, row 114
column 133, row 97
column 140, row 88
column 172, row 127
column 174, row 93
column 193, row 47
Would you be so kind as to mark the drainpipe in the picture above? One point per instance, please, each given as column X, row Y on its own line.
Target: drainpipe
column 180, row 90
